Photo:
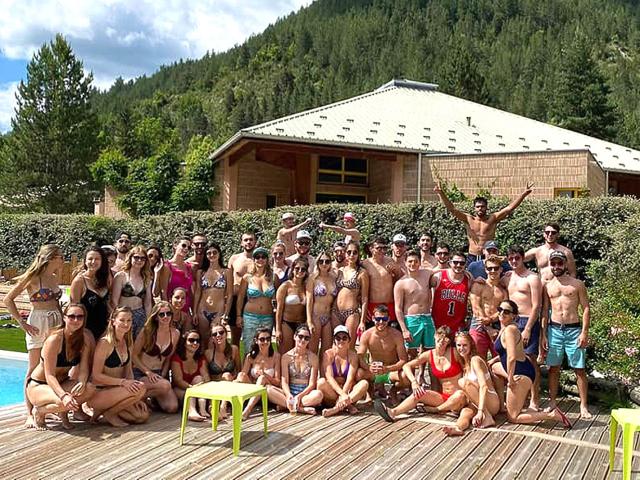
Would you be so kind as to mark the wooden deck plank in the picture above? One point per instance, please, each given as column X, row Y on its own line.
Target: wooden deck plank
column 460, row 453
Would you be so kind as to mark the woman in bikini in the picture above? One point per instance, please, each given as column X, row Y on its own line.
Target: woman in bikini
column 291, row 304
column 188, row 368
column 261, row 366
column 49, row 388
column 444, row 367
column 214, row 292
column 515, row 367
column 321, row 295
column 41, row 283
column 152, row 352
column 180, row 272
column 91, row 287
column 181, row 320
column 258, row 289
column 279, row 263
column 339, row 386
column 119, row 398
column 161, row 272
column 132, row 287
column 223, row 360
column 353, row 292
column 299, row 370
column 478, row 386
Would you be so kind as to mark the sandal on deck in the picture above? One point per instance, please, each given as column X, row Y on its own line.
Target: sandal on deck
column 382, row 410
column 563, row 418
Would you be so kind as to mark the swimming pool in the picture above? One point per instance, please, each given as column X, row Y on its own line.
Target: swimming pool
column 12, row 372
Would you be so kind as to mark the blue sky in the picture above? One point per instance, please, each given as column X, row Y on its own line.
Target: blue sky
column 122, row 38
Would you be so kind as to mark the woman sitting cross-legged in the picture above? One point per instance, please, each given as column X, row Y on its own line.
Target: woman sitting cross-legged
column 477, row 385
column 515, row 367
column 261, row 366
column 152, row 352
column 189, row 368
column 339, row 386
column 49, row 388
column 223, row 360
column 443, row 366
column 119, row 399
column 299, row 367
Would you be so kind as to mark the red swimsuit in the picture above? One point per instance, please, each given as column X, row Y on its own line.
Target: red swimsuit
column 454, row 369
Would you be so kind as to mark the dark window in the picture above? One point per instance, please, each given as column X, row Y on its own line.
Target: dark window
column 355, row 180
column 355, row 165
column 341, row 170
column 330, row 163
column 339, row 198
column 271, row 201
column 329, row 177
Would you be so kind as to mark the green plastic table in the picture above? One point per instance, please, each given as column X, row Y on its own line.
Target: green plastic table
column 234, row 393
column 629, row 419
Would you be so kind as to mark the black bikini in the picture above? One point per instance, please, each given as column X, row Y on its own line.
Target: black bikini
column 114, row 360
column 61, row 362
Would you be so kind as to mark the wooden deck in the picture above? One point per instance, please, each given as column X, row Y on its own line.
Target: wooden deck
column 361, row 446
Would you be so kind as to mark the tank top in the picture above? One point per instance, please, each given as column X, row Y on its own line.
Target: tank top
column 97, row 311
column 450, row 302
column 180, row 278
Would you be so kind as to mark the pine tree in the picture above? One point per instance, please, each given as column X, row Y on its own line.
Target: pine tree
column 54, row 136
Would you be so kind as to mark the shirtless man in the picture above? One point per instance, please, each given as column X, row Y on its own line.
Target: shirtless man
column 525, row 289
column 412, row 297
column 383, row 273
column 339, row 256
column 427, row 259
column 199, row 243
column 450, row 293
column 302, row 249
column 564, row 333
column 239, row 264
column 288, row 232
column 386, row 350
column 349, row 230
column 123, row 245
column 399, row 252
column 485, row 299
column 480, row 227
column 443, row 255
column 541, row 254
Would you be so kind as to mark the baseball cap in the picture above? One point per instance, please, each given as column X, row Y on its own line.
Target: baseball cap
column 398, row 237
column 340, row 329
column 491, row 244
column 287, row 215
column 557, row 254
column 349, row 216
column 260, row 251
column 303, row 234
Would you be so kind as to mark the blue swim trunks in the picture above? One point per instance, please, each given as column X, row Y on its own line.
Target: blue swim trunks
column 534, row 341
column 422, row 330
column 564, row 340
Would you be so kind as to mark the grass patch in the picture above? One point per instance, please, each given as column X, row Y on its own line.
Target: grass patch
column 12, row 339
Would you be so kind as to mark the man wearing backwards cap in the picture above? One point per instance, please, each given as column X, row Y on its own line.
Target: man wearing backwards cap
column 349, row 230
column 303, row 249
column 562, row 331
column 399, row 252
column 288, row 232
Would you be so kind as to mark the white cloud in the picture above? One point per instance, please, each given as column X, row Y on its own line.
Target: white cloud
column 7, row 104
column 123, row 38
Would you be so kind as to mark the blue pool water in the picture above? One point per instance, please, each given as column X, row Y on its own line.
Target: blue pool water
column 12, row 374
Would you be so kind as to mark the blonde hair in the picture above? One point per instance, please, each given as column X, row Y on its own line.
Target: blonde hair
column 145, row 271
column 110, row 333
column 45, row 255
column 473, row 350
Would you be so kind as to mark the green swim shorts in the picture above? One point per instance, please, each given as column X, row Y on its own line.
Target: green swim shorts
column 382, row 378
column 422, row 330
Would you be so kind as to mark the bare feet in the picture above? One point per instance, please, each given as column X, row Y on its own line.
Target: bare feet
column 81, row 416
column 551, row 407
column 352, row 410
column 222, row 414
column 30, row 422
column 115, row 420
column 585, row 414
column 64, row 418
column 488, row 421
column 308, row 410
column 534, row 407
column 39, row 419
column 329, row 412
column 195, row 417
column 452, row 431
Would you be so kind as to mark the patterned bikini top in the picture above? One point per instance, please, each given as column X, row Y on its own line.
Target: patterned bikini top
column 45, row 294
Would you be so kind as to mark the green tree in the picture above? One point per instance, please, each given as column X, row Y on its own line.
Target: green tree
column 54, row 136
column 460, row 74
column 195, row 188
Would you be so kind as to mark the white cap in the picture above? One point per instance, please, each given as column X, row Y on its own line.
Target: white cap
column 341, row 329
column 287, row 215
column 303, row 234
column 349, row 216
column 398, row 237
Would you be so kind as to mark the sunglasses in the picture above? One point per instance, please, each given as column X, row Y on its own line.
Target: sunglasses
column 219, row 333
column 139, row 258
column 492, row 269
column 352, row 252
column 442, row 253
column 74, row 316
column 458, row 262
column 400, row 244
column 260, row 256
column 380, row 319
column 165, row 314
column 124, row 241
column 278, row 254
column 264, row 339
column 550, row 232
column 324, row 261
column 515, row 258
column 506, row 311
column 193, row 340
column 300, row 270
column 199, row 244
column 184, row 245
column 306, row 338
column 341, row 338
column 304, row 242
column 380, row 247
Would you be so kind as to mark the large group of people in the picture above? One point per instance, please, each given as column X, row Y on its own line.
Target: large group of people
column 426, row 328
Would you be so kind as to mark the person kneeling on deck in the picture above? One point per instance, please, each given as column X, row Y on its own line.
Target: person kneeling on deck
column 119, row 398
column 49, row 388
column 445, row 368
column 387, row 353
column 339, row 386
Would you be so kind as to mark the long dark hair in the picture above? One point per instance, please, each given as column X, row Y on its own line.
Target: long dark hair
column 302, row 262
column 181, row 349
column 103, row 274
column 204, row 266
column 255, row 348
column 227, row 346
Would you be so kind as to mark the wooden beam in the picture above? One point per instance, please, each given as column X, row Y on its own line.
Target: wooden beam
column 322, row 150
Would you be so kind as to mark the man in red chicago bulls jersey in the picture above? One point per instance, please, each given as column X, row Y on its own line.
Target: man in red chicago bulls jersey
column 451, row 291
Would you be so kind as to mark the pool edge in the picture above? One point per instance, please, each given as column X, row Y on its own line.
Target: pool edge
column 8, row 354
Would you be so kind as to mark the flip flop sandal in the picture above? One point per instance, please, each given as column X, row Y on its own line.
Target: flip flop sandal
column 383, row 411
column 564, row 419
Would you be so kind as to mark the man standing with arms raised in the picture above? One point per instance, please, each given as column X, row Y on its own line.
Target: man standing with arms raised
column 412, row 297
column 525, row 289
column 564, row 333
column 349, row 230
column 450, row 294
column 541, row 254
column 239, row 265
column 480, row 227
column 288, row 232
